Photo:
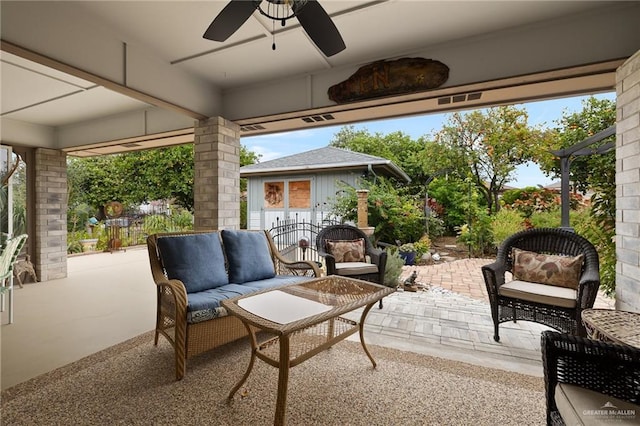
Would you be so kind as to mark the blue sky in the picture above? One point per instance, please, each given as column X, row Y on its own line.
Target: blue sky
column 543, row 113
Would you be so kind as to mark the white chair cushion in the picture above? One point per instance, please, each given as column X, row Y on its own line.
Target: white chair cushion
column 540, row 293
column 580, row 406
column 356, row 268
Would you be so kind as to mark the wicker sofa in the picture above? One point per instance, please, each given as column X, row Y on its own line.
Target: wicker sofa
column 590, row 381
column 195, row 270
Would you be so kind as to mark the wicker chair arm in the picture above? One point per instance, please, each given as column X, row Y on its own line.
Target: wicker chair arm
column 376, row 255
column 299, row 266
column 588, row 286
column 608, row 368
column 493, row 274
column 587, row 293
column 178, row 293
column 382, row 265
column 294, row 266
column 329, row 261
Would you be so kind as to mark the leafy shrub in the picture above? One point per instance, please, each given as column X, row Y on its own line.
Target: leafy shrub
column 182, row 220
column 451, row 196
column 531, row 200
column 477, row 233
column 73, row 245
column 435, row 226
column 422, row 246
column 407, row 248
column 155, row 223
column 243, row 213
column 546, row 219
column 478, row 236
column 78, row 216
column 98, row 231
column 393, row 268
column 395, row 217
column 586, row 223
column 505, row 223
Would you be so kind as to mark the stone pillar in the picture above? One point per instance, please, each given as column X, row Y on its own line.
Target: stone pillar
column 216, row 184
column 363, row 211
column 628, row 185
column 50, row 211
column 363, row 208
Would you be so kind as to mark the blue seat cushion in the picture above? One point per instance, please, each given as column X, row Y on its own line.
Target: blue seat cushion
column 248, row 255
column 197, row 260
column 206, row 305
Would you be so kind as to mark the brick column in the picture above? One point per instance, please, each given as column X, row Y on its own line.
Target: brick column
column 216, row 184
column 363, row 208
column 628, row 185
column 363, row 212
column 50, row 240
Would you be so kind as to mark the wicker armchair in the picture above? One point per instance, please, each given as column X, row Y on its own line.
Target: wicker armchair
column 574, row 364
column 372, row 271
column 554, row 241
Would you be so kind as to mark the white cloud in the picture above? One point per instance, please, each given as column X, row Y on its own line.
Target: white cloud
column 265, row 153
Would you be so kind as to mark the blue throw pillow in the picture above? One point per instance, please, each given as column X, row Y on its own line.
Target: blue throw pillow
column 197, row 260
column 248, row 255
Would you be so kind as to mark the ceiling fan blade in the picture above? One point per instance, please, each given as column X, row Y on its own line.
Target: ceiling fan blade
column 230, row 19
column 318, row 24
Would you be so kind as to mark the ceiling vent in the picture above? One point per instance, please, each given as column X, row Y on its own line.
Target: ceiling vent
column 459, row 98
column 252, row 127
column 318, row 118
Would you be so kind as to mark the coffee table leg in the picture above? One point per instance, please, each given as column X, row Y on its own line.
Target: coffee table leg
column 364, row 345
column 254, row 349
column 283, row 380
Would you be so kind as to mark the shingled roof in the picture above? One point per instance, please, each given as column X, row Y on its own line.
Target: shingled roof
column 322, row 160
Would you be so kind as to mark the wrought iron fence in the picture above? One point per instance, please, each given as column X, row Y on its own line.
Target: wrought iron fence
column 296, row 239
column 124, row 231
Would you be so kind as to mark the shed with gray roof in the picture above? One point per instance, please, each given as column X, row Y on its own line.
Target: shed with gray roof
column 305, row 185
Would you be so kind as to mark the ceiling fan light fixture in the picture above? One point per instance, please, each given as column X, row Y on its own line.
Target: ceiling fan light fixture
column 279, row 10
column 314, row 20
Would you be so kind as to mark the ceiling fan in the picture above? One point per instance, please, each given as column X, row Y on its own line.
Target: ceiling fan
column 311, row 15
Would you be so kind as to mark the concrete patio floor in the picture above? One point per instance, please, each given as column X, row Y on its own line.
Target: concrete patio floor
column 110, row 297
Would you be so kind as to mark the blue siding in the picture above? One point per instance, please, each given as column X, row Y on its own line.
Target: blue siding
column 324, row 189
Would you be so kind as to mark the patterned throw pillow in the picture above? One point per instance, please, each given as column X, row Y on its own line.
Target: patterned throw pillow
column 347, row 250
column 561, row 271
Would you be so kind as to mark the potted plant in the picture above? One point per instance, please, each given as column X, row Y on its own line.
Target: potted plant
column 407, row 252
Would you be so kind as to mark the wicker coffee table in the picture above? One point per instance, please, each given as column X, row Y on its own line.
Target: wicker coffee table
column 612, row 326
column 301, row 320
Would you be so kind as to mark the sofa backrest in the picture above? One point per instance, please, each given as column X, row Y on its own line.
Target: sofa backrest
column 206, row 260
column 248, row 256
column 196, row 259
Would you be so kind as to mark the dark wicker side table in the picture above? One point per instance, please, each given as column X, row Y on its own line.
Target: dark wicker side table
column 612, row 326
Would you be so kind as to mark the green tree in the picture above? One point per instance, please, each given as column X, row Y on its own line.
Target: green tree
column 137, row 177
column 586, row 171
column 452, row 194
column 595, row 172
column 133, row 178
column 246, row 157
column 396, row 147
column 489, row 145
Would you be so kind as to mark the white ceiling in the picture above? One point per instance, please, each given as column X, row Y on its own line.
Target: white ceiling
column 37, row 94
column 371, row 30
column 172, row 31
